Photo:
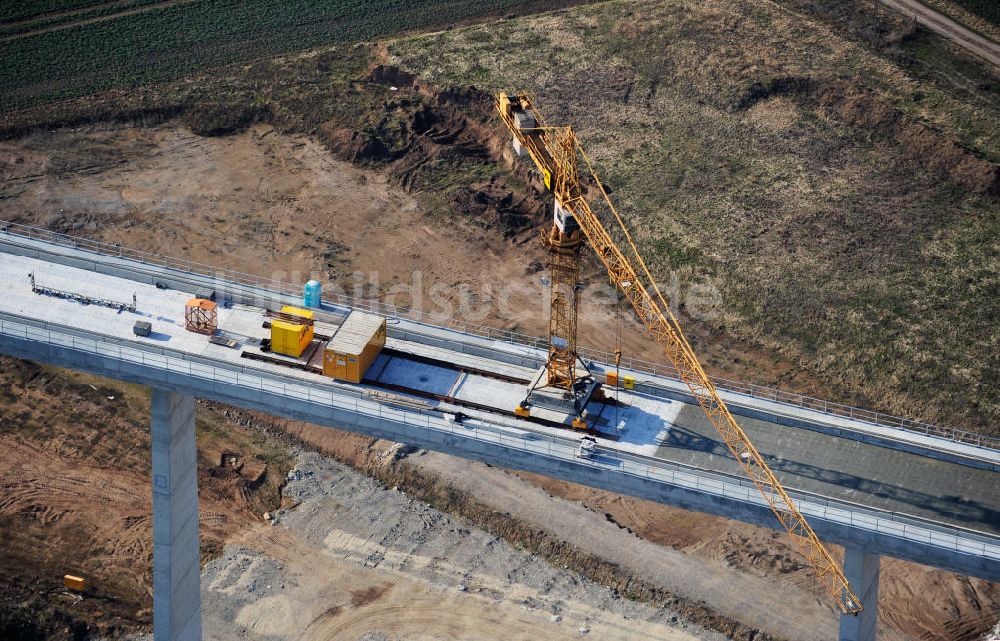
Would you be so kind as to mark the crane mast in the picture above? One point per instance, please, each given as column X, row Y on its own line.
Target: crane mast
column 555, row 151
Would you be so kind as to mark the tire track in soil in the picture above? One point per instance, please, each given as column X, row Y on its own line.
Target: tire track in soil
column 944, row 26
column 86, row 21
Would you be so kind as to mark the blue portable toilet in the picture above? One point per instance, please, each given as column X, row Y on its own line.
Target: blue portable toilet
column 313, row 294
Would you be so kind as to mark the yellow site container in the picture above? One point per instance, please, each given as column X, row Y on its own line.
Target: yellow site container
column 291, row 338
column 354, row 347
column 74, row 583
column 629, row 381
column 297, row 311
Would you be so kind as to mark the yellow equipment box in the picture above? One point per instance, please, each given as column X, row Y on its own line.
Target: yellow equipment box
column 289, row 337
column 629, row 381
column 354, row 347
column 74, row 583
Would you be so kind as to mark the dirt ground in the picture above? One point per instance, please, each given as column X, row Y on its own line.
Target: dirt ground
column 642, row 541
column 749, row 117
column 356, row 560
column 75, row 498
column 279, row 205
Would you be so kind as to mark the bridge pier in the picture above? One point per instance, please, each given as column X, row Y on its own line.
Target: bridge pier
column 862, row 572
column 176, row 567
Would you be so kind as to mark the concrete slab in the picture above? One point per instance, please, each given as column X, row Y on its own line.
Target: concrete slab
column 460, row 358
column 496, row 393
column 642, row 423
column 419, row 376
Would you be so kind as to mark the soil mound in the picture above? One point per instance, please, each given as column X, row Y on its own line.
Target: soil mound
column 850, row 104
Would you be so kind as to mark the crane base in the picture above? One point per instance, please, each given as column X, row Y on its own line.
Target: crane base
column 571, row 403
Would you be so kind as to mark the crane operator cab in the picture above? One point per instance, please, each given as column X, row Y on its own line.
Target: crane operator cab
column 564, row 219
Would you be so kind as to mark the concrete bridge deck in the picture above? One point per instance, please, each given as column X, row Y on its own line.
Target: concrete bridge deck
column 939, row 484
column 883, row 492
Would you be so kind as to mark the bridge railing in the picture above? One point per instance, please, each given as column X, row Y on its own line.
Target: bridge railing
column 752, row 390
column 677, row 474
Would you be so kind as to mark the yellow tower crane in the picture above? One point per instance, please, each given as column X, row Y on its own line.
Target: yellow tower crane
column 555, row 151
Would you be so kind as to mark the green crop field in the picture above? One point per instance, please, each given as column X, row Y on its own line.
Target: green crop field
column 165, row 43
column 68, row 17
column 14, row 11
column 986, row 9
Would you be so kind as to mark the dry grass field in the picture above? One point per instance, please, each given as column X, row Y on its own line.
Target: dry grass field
column 846, row 207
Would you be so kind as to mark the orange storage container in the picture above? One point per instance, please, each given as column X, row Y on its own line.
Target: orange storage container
column 354, row 347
